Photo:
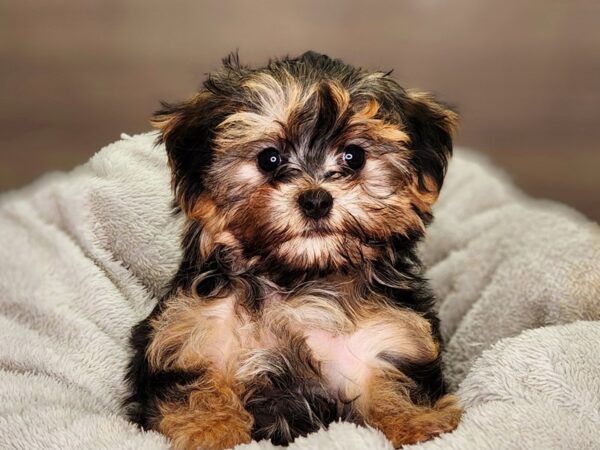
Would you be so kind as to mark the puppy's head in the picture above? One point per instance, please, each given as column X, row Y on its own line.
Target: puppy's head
column 307, row 163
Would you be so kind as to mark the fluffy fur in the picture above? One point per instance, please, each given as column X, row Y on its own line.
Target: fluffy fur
column 277, row 322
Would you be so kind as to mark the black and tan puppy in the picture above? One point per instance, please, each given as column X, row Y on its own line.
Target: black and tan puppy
column 306, row 185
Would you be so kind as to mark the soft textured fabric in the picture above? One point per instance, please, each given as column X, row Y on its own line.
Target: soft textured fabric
column 84, row 255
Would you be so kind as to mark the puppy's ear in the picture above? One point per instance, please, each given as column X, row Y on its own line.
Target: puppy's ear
column 431, row 126
column 187, row 129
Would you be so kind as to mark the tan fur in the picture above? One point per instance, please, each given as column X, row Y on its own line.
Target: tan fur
column 387, row 406
column 209, row 416
column 423, row 199
column 215, row 225
column 168, row 122
column 346, row 326
column 250, row 210
column 381, row 207
column 341, row 96
column 191, row 332
column 365, row 124
column 449, row 119
column 335, row 331
column 273, row 102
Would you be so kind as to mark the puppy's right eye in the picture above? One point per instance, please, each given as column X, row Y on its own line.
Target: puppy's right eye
column 269, row 159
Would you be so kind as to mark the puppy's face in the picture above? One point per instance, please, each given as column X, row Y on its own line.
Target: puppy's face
column 307, row 163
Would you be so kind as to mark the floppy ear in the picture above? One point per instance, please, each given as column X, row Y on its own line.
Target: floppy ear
column 187, row 129
column 431, row 126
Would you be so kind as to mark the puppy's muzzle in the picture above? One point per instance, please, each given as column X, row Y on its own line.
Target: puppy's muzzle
column 315, row 203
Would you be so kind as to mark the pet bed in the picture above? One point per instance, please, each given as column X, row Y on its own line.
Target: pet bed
column 84, row 255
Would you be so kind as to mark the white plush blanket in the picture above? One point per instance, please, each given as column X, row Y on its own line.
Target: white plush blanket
column 83, row 256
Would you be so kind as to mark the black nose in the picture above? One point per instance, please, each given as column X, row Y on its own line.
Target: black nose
column 316, row 203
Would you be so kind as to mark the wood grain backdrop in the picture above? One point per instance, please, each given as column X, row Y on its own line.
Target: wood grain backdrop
column 524, row 74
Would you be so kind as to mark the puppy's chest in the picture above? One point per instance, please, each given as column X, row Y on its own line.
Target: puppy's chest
column 347, row 342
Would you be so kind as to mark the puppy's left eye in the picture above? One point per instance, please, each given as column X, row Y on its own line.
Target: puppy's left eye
column 354, row 156
column 269, row 159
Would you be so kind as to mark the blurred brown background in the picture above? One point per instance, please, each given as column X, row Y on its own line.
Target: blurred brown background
column 524, row 74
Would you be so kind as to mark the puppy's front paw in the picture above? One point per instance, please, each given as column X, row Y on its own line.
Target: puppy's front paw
column 424, row 424
column 211, row 417
column 219, row 432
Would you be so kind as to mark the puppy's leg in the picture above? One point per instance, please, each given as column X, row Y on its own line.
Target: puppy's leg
column 186, row 362
column 388, row 406
column 205, row 414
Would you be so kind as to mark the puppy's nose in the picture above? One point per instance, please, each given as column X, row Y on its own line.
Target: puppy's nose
column 315, row 203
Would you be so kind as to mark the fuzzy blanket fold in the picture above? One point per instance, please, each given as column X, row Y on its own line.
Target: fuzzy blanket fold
column 83, row 256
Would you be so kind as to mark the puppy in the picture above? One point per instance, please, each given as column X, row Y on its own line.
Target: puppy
column 299, row 301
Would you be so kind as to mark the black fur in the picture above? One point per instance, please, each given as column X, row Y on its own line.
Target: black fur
column 293, row 400
column 288, row 396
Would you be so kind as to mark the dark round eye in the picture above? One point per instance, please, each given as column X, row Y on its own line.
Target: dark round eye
column 269, row 159
column 354, row 156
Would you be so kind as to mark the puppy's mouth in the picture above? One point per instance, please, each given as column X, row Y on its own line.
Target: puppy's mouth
column 319, row 228
column 327, row 234
column 343, row 237
column 317, row 232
